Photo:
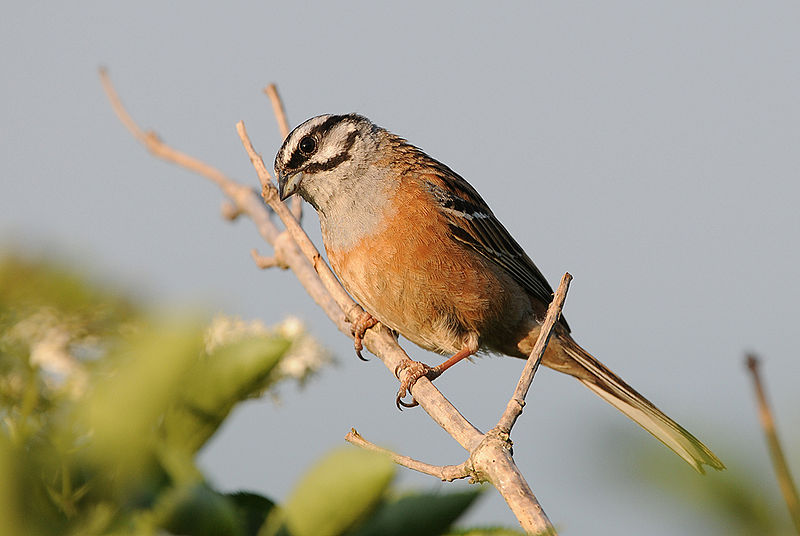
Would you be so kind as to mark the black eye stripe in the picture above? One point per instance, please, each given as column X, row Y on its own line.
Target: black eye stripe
column 331, row 163
column 299, row 158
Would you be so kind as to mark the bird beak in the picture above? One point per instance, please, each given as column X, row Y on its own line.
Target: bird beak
column 288, row 184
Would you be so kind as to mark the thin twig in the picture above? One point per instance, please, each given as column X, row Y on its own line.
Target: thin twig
column 270, row 194
column 517, row 402
column 283, row 125
column 782, row 471
column 230, row 211
column 244, row 199
column 119, row 109
column 446, row 473
column 265, row 262
column 490, row 455
column 378, row 341
column 387, row 349
column 278, row 108
column 158, row 148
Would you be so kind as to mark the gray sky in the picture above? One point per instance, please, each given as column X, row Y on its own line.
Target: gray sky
column 650, row 150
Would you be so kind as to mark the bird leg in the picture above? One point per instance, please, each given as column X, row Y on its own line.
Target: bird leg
column 409, row 371
column 358, row 327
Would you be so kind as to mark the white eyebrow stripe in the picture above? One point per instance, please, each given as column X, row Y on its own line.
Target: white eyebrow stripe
column 333, row 142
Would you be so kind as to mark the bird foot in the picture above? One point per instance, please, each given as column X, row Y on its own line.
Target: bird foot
column 358, row 327
column 408, row 372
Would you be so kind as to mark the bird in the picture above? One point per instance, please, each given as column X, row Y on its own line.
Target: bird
column 423, row 254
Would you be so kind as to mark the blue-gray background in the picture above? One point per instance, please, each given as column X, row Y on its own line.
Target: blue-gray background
column 649, row 149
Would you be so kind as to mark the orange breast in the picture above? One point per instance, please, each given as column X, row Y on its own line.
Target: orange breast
column 414, row 278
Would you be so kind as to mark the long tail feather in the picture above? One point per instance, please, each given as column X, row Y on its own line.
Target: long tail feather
column 622, row 396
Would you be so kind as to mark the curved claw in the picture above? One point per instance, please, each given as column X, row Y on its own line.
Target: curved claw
column 408, row 372
column 398, row 401
column 358, row 327
column 358, row 347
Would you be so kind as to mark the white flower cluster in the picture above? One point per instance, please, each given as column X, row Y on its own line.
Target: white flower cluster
column 52, row 341
column 304, row 357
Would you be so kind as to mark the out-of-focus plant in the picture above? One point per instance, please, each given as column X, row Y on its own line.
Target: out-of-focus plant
column 738, row 501
column 103, row 409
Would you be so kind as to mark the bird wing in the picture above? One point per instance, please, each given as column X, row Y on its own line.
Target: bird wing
column 472, row 222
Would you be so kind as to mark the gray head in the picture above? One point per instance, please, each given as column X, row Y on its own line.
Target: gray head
column 323, row 151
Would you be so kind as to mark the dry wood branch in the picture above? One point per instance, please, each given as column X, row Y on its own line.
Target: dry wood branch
column 270, row 194
column 386, row 348
column 264, row 262
column 490, row 453
column 378, row 341
column 446, row 473
column 283, row 125
column 277, row 107
column 784, row 475
column 492, row 461
column 244, row 199
column 492, row 456
column 230, row 211
column 517, row 402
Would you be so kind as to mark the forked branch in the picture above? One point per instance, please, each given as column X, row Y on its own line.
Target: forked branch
column 517, row 402
column 490, row 454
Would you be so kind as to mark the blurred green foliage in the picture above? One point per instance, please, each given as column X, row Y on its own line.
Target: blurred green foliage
column 740, row 500
column 104, row 408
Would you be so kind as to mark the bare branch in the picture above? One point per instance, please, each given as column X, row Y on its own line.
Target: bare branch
column 517, row 402
column 239, row 194
column 490, row 454
column 785, row 480
column 283, row 125
column 446, row 473
column 119, row 109
column 278, row 108
column 244, row 199
column 267, row 262
column 270, row 194
column 378, row 341
column 492, row 461
column 230, row 211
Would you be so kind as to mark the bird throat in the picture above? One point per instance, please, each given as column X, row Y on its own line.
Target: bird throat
column 352, row 218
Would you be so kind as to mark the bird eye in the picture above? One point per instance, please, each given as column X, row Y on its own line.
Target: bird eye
column 307, row 145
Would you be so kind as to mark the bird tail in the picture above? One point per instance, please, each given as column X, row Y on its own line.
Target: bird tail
column 622, row 396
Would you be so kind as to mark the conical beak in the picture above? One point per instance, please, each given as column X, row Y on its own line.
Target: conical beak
column 288, row 184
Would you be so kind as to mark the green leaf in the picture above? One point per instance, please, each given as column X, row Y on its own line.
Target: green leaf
column 25, row 505
column 215, row 383
column 251, row 509
column 423, row 514
column 124, row 409
column 197, row 510
column 11, row 499
column 335, row 494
